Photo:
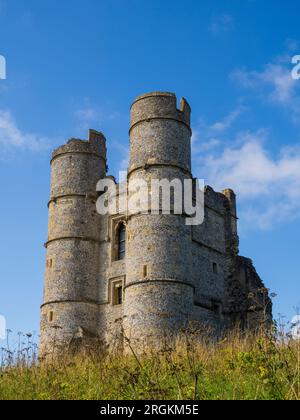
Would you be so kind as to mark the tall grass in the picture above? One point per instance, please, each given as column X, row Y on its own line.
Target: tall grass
column 235, row 368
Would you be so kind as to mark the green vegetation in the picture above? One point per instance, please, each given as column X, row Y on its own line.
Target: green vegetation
column 234, row 368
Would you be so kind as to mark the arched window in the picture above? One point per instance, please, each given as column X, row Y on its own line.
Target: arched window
column 121, row 241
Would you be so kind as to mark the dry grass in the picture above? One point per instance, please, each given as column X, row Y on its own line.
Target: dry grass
column 236, row 368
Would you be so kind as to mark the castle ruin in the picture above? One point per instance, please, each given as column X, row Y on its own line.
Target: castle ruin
column 143, row 275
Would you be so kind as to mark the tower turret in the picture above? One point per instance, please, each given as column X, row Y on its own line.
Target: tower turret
column 158, row 292
column 70, row 308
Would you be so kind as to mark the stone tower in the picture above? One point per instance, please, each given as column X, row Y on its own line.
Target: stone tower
column 72, row 262
column 158, row 291
column 142, row 275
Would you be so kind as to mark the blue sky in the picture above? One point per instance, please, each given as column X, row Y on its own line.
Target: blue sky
column 77, row 64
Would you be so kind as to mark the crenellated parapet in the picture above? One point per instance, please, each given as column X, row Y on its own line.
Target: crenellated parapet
column 159, row 105
column 160, row 134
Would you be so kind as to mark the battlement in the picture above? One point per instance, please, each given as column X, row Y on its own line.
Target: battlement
column 160, row 105
column 96, row 145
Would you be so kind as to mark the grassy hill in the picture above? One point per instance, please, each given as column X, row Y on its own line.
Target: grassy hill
column 234, row 368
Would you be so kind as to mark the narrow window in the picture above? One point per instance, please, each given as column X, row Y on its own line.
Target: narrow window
column 49, row 263
column 145, row 271
column 121, row 242
column 215, row 268
column 117, row 294
column 51, row 316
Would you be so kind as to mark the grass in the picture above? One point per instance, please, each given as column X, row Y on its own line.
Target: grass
column 236, row 368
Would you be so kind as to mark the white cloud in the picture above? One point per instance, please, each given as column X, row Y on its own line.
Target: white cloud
column 292, row 44
column 86, row 114
column 223, row 125
column 86, row 117
column 12, row 137
column 268, row 187
column 90, row 115
column 124, row 155
column 274, row 83
column 206, row 137
column 201, row 145
column 221, row 23
column 275, row 78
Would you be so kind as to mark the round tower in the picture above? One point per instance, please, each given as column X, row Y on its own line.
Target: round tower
column 70, row 309
column 158, row 291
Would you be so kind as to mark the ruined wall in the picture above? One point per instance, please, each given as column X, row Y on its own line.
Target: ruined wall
column 252, row 307
column 211, row 261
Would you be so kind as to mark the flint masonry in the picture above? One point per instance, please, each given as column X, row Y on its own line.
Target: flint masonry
column 141, row 276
